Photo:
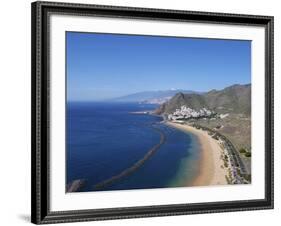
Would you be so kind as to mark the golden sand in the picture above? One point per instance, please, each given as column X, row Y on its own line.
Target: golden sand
column 211, row 164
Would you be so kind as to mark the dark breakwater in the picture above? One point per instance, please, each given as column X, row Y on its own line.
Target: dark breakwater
column 136, row 165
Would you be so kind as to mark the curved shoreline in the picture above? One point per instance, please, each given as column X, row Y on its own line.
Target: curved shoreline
column 135, row 166
column 210, row 170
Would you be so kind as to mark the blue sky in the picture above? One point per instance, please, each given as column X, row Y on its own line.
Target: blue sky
column 104, row 66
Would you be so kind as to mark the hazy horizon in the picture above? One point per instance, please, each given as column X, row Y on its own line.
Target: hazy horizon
column 113, row 98
column 106, row 66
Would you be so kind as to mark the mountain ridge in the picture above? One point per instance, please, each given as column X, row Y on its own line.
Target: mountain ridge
column 235, row 98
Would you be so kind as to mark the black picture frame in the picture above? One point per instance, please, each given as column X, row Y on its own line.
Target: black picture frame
column 40, row 212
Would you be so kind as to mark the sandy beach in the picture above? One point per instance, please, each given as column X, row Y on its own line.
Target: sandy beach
column 211, row 172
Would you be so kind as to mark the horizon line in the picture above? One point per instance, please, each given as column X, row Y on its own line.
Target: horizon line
column 112, row 98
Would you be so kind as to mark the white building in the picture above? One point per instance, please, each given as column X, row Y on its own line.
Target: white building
column 186, row 113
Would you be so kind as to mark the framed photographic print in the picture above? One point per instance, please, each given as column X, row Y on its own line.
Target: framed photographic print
column 142, row 112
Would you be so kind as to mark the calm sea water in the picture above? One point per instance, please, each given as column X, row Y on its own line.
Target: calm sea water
column 103, row 139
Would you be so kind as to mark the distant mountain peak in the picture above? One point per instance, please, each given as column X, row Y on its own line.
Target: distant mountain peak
column 154, row 96
column 180, row 94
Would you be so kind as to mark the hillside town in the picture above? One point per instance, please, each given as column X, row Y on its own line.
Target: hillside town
column 188, row 113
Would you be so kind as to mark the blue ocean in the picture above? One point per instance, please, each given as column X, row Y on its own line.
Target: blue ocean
column 104, row 139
